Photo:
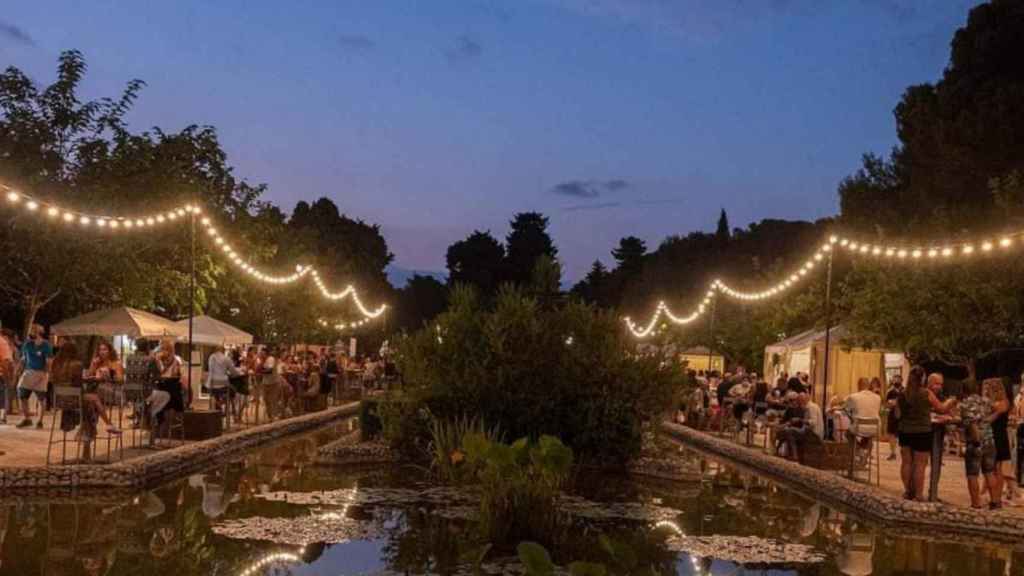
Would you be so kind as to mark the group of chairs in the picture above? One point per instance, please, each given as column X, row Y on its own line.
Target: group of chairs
column 857, row 453
column 69, row 410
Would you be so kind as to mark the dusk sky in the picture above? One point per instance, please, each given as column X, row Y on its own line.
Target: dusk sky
column 435, row 117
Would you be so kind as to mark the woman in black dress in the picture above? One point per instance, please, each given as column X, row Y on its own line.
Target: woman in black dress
column 995, row 390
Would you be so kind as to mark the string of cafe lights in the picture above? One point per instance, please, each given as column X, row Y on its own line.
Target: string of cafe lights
column 115, row 224
column 936, row 251
column 342, row 326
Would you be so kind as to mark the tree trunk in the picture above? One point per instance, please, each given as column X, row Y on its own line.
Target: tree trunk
column 31, row 309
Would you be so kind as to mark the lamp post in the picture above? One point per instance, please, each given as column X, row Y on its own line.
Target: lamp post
column 828, row 329
column 191, row 295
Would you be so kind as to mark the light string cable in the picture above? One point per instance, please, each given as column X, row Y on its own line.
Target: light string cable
column 945, row 250
column 55, row 213
column 341, row 326
column 717, row 287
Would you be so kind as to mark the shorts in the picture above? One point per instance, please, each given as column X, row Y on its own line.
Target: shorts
column 979, row 457
column 33, row 381
column 916, row 441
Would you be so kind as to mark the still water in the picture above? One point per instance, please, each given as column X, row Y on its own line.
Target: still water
column 280, row 512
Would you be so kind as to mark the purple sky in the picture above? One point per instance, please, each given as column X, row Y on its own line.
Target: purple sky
column 613, row 117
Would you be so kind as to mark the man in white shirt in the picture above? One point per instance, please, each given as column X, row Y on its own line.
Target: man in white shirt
column 863, row 404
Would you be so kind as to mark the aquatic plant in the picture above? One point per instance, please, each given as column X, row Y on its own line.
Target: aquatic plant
column 446, row 450
column 518, row 483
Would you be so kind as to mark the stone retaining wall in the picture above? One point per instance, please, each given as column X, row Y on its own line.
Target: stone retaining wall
column 834, row 489
column 170, row 463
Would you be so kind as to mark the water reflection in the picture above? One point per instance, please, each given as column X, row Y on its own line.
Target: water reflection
column 316, row 519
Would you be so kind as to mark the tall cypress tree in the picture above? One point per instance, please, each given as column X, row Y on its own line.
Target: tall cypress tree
column 722, row 233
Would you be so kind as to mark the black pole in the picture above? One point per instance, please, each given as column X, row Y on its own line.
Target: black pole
column 191, row 299
column 828, row 329
column 711, row 338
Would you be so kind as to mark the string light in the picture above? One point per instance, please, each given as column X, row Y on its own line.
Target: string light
column 946, row 250
column 342, row 326
column 112, row 224
column 274, row 558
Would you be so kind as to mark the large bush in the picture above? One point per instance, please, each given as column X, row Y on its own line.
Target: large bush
column 568, row 371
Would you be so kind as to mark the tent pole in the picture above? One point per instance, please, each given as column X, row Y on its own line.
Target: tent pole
column 191, row 298
column 711, row 339
column 828, row 330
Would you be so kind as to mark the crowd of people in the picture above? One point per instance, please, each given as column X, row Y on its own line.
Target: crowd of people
column 919, row 417
column 285, row 383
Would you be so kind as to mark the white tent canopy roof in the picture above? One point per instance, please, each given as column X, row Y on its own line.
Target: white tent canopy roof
column 116, row 321
column 212, row 332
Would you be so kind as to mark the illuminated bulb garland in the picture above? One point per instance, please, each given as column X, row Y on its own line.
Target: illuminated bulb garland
column 112, row 224
column 341, row 326
column 275, row 558
column 937, row 252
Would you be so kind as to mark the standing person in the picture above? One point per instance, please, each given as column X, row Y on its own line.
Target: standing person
column 270, row 388
column 995, row 391
column 1018, row 410
column 36, row 355
column 6, row 373
column 914, row 410
column 980, row 452
column 219, row 371
column 892, row 424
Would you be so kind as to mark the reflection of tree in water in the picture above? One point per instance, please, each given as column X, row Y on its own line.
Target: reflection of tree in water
column 420, row 542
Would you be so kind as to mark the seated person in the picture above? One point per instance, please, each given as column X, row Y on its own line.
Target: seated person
column 67, row 369
column 862, row 405
column 800, row 426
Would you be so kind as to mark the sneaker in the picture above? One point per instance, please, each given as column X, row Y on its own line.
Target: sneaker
column 891, row 457
column 26, row 423
column 39, row 424
column 994, row 505
column 114, row 430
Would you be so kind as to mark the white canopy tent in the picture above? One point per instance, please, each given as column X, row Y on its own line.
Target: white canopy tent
column 208, row 331
column 117, row 322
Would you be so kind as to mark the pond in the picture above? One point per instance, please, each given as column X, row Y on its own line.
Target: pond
column 278, row 511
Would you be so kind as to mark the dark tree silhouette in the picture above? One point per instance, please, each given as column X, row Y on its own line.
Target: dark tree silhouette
column 528, row 241
column 479, row 261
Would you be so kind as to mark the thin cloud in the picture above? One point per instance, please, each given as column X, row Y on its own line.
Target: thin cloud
column 466, row 48
column 599, row 206
column 356, row 42
column 15, row 33
column 589, row 188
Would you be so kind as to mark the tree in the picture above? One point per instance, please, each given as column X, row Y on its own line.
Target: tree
column 419, row 301
column 954, row 137
column 955, row 314
column 629, row 255
column 594, row 287
column 955, row 172
column 722, row 233
column 81, row 155
column 546, row 281
column 477, row 261
column 528, row 241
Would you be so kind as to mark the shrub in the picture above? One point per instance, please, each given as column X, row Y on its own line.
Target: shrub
column 405, row 425
column 569, row 371
column 370, row 426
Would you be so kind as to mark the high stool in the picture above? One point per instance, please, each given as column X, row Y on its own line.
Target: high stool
column 865, row 428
